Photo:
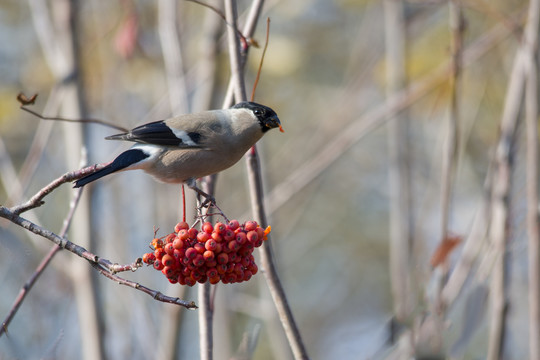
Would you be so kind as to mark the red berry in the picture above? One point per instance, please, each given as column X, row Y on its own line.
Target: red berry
column 232, row 257
column 217, row 237
column 168, row 260
column 173, row 280
column 202, row 237
column 234, row 224
column 199, row 248
column 250, row 225
column 159, row 253
column 183, row 234
column 198, row 260
column 219, row 227
column 233, row 245
column 211, row 245
column 245, row 262
column 167, row 271
column 193, row 233
column 181, row 226
column 219, row 248
column 169, row 238
column 158, row 265
column 231, row 278
column 157, row 243
column 212, row 272
column 260, row 232
column 185, row 272
column 258, row 242
column 203, row 279
column 211, row 263
column 208, row 255
column 179, row 254
column 169, row 248
column 214, row 280
column 221, row 268
column 178, row 244
column 241, row 237
column 252, row 236
column 190, row 281
column 253, row 268
column 149, row 258
column 195, row 275
column 228, row 235
column 191, row 253
column 181, row 279
column 207, row 228
column 247, row 275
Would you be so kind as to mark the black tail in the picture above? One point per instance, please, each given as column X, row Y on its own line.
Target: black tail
column 125, row 159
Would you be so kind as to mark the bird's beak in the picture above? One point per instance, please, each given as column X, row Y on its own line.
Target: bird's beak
column 274, row 122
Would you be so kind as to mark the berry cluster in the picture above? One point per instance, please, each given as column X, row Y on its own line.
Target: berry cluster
column 220, row 252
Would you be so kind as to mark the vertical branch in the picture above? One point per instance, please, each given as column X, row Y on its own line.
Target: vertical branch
column 524, row 68
column 399, row 162
column 531, row 119
column 532, row 210
column 206, row 319
column 237, row 74
column 450, row 152
column 498, row 231
column 172, row 56
column 59, row 41
column 178, row 99
column 256, row 191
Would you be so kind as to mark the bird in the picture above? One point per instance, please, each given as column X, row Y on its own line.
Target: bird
column 186, row 147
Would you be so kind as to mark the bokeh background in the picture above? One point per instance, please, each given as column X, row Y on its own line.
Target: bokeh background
column 355, row 143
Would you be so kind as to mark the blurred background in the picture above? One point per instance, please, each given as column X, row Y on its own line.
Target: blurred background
column 392, row 113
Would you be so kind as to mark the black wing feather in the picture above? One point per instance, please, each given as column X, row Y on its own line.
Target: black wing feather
column 156, row 133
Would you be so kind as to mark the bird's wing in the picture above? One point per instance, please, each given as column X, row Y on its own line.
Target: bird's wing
column 184, row 134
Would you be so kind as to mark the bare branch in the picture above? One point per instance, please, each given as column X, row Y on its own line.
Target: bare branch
column 104, row 266
column 37, row 199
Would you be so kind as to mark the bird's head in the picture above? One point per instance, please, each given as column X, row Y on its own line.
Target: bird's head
column 267, row 117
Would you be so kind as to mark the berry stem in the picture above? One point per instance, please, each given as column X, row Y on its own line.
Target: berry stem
column 183, row 203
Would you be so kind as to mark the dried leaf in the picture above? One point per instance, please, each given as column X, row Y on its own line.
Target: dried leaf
column 445, row 248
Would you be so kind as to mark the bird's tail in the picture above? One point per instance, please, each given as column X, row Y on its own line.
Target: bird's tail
column 123, row 161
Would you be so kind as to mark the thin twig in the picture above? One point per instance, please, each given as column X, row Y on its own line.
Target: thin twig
column 37, row 200
column 256, row 82
column 82, row 121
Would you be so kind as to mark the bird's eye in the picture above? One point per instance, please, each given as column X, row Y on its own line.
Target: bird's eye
column 258, row 112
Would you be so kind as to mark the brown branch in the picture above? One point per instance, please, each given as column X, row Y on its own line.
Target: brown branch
column 256, row 82
column 257, row 199
column 37, row 200
column 237, row 73
column 531, row 119
column 104, row 266
column 156, row 295
column 58, row 118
